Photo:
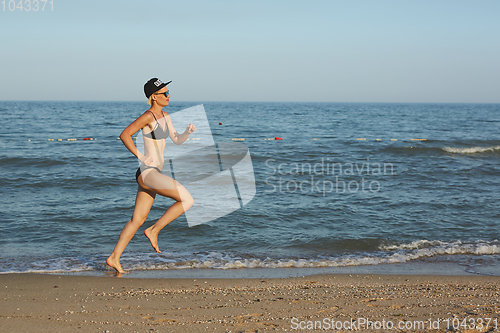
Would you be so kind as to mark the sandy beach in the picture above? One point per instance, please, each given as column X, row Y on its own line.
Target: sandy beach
column 337, row 303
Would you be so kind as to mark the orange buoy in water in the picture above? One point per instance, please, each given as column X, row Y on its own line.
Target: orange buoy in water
column 86, row 138
column 220, row 123
column 277, row 138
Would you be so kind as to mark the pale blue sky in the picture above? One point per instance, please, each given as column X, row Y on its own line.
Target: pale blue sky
column 330, row 51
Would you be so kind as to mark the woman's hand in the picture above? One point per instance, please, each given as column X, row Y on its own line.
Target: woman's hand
column 191, row 128
column 147, row 160
column 181, row 138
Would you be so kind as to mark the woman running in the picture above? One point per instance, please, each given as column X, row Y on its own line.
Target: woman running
column 156, row 126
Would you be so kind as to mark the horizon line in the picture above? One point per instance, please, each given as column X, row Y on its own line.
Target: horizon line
column 338, row 102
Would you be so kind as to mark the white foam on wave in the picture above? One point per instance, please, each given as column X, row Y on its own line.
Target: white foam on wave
column 386, row 254
column 48, row 266
column 425, row 248
column 471, row 150
column 418, row 244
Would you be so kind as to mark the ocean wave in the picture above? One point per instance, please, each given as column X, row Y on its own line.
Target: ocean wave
column 387, row 254
column 471, row 150
column 432, row 248
column 30, row 162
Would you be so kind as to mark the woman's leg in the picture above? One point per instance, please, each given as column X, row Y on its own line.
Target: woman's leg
column 143, row 203
column 167, row 187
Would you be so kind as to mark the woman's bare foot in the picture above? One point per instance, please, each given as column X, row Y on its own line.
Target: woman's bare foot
column 153, row 238
column 115, row 264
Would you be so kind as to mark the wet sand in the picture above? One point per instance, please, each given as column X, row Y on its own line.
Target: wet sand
column 51, row 303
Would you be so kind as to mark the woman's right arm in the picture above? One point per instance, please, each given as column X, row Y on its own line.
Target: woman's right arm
column 133, row 128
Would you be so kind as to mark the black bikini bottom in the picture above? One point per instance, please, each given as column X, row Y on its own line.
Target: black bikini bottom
column 142, row 168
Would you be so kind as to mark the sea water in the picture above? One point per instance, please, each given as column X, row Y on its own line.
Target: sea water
column 350, row 185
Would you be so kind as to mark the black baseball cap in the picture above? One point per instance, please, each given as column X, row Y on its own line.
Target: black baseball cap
column 153, row 85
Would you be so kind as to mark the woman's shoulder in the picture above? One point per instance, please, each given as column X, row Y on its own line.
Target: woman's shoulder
column 144, row 119
column 148, row 114
column 166, row 115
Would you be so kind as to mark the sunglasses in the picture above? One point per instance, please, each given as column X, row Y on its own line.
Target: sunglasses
column 166, row 93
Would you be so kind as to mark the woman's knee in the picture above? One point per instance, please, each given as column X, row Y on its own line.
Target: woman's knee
column 138, row 220
column 186, row 200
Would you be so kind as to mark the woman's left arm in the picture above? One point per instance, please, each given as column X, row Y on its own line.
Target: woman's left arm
column 176, row 137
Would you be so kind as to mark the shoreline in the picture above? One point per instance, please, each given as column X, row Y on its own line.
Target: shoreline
column 59, row 303
column 416, row 267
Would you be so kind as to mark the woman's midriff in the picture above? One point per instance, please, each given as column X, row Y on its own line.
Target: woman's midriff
column 154, row 151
